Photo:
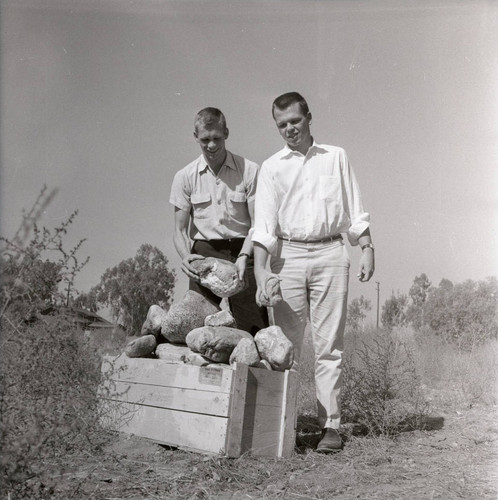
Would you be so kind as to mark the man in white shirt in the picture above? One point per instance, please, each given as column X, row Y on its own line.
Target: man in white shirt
column 213, row 198
column 307, row 196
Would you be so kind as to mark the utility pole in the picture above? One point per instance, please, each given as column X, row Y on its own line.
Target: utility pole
column 378, row 293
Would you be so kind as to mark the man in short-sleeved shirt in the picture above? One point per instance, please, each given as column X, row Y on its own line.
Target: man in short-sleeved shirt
column 214, row 208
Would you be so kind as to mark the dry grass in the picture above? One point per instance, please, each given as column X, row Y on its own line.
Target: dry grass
column 464, row 378
column 456, row 458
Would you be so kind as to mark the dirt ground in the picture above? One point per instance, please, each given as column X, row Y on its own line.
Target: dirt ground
column 455, row 456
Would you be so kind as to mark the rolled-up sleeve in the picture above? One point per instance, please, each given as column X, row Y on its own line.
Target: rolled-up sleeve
column 359, row 218
column 266, row 211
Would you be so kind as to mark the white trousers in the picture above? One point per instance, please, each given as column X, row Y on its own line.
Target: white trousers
column 314, row 282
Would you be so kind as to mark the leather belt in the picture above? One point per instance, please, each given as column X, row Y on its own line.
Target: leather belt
column 233, row 243
column 336, row 237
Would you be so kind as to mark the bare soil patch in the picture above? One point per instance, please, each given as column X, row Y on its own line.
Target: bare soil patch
column 454, row 456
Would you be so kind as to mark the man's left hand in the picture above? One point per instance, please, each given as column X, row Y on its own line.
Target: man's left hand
column 241, row 264
column 367, row 265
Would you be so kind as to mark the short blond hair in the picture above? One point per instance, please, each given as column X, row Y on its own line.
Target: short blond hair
column 210, row 117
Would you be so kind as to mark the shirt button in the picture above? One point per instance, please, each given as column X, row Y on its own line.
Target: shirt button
column 219, row 202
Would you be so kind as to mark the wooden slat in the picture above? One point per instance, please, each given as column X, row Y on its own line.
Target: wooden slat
column 271, row 384
column 261, row 430
column 237, row 411
column 160, row 372
column 173, row 398
column 287, row 439
column 194, row 431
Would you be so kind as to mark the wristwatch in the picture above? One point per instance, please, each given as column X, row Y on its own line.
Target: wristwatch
column 368, row 245
column 243, row 254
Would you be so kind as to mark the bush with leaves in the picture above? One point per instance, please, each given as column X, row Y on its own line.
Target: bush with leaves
column 49, row 372
column 37, row 269
column 49, row 403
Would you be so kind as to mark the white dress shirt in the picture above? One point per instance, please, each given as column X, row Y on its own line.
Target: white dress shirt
column 308, row 197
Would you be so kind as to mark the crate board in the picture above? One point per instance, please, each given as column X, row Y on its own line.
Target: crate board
column 214, row 409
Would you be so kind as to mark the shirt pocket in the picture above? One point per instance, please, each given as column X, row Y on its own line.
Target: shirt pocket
column 329, row 187
column 201, row 203
column 238, row 207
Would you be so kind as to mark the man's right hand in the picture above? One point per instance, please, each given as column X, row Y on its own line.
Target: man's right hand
column 188, row 269
column 261, row 276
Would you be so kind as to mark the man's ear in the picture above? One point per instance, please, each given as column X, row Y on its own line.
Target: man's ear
column 227, row 132
column 195, row 134
column 309, row 116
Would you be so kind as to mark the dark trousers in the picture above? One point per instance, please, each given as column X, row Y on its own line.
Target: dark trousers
column 247, row 314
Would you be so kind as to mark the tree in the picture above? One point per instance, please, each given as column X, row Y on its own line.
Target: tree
column 87, row 300
column 394, row 311
column 465, row 313
column 419, row 289
column 357, row 312
column 131, row 287
column 418, row 295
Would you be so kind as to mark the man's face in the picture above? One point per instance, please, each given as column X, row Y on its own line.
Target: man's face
column 294, row 127
column 211, row 139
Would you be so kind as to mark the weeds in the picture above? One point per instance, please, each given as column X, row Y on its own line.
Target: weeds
column 381, row 388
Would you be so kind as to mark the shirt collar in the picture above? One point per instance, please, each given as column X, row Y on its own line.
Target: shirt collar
column 287, row 151
column 202, row 165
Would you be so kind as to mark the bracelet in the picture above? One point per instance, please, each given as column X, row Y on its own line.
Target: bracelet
column 368, row 245
column 243, row 254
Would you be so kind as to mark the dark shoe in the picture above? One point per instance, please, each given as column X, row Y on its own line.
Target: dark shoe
column 331, row 441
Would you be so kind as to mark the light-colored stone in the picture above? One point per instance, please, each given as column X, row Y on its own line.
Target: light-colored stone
column 245, row 352
column 220, row 276
column 141, row 347
column 194, row 358
column 153, row 321
column 186, row 315
column 272, row 290
column 215, row 342
column 275, row 347
column 174, row 353
column 221, row 318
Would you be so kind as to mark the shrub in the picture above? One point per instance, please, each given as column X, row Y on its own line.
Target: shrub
column 381, row 385
column 49, row 407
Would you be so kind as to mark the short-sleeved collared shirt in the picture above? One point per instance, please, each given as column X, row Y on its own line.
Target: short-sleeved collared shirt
column 220, row 205
column 308, row 197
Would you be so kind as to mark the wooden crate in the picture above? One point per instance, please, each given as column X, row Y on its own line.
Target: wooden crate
column 214, row 409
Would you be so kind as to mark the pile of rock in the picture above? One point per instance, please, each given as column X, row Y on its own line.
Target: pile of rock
column 195, row 330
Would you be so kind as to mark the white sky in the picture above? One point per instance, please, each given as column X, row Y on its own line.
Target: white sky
column 98, row 99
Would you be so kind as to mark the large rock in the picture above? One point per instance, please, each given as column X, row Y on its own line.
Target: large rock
column 153, row 321
column 220, row 276
column 275, row 347
column 174, row 353
column 186, row 315
column 142, row 347
column 215, row 342
column 245, row 352
column 273, row 292
column 221, row 318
